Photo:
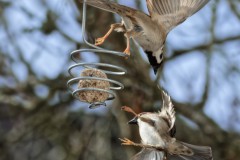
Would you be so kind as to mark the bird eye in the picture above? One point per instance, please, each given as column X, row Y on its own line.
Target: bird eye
column 153, row 122
column 161, row 56
column 137, row 28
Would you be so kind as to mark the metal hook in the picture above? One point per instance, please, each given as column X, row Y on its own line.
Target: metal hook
column 117, row 69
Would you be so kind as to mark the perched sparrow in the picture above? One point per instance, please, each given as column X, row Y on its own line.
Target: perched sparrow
column 149, row 31
column 157, row 132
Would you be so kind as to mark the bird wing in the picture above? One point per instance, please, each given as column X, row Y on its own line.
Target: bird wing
column 170, row 13
column 129, row 15
column 115, row 8
column 167, row 111
column 147, row 154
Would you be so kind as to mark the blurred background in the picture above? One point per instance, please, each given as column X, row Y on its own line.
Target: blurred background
column 39, row 118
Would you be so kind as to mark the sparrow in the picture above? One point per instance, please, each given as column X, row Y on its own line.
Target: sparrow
column 149, row 31
column 157, row 132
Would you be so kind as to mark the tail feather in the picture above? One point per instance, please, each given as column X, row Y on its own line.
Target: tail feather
column 200, row 153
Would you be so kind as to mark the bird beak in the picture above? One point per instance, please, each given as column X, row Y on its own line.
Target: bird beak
column 133, row 121
column 155, row 69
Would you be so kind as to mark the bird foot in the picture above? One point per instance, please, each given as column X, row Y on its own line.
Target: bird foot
column 126, row 142
column 99, row 41
column 127, row 52
column 128, row 109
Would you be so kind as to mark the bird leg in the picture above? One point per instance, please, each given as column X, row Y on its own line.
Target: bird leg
column 128, row 142
column 101, row 40
column 128, row 35
column 128, row 109
column 127, row 50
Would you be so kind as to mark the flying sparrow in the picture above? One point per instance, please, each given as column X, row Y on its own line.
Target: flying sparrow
column 157, row 131
column 149, row 31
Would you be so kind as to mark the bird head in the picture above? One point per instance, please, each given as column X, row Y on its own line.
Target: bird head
column 150, row 121
column 151, row 126
column 155, row 59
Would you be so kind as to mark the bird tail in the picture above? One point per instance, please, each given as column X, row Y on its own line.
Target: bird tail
column 109, row 6
column 147, row 154
column 199, row 153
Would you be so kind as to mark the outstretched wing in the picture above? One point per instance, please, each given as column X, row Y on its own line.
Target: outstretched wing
column 170, row 13
column 115, row 8
column 129, row 15
column 167, row 110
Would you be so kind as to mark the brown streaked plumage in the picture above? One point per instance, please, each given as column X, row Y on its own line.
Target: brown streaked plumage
column 157, row 131
column 149, row 31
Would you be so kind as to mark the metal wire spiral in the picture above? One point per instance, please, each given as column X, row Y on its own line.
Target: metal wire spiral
column 118, row 70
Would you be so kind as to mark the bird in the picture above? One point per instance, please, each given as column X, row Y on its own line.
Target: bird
column 148, row 30
column 157, row 131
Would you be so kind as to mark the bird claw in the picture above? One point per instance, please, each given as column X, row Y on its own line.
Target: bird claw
column 127, row 52
column 99, row 41
column 126, row 142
